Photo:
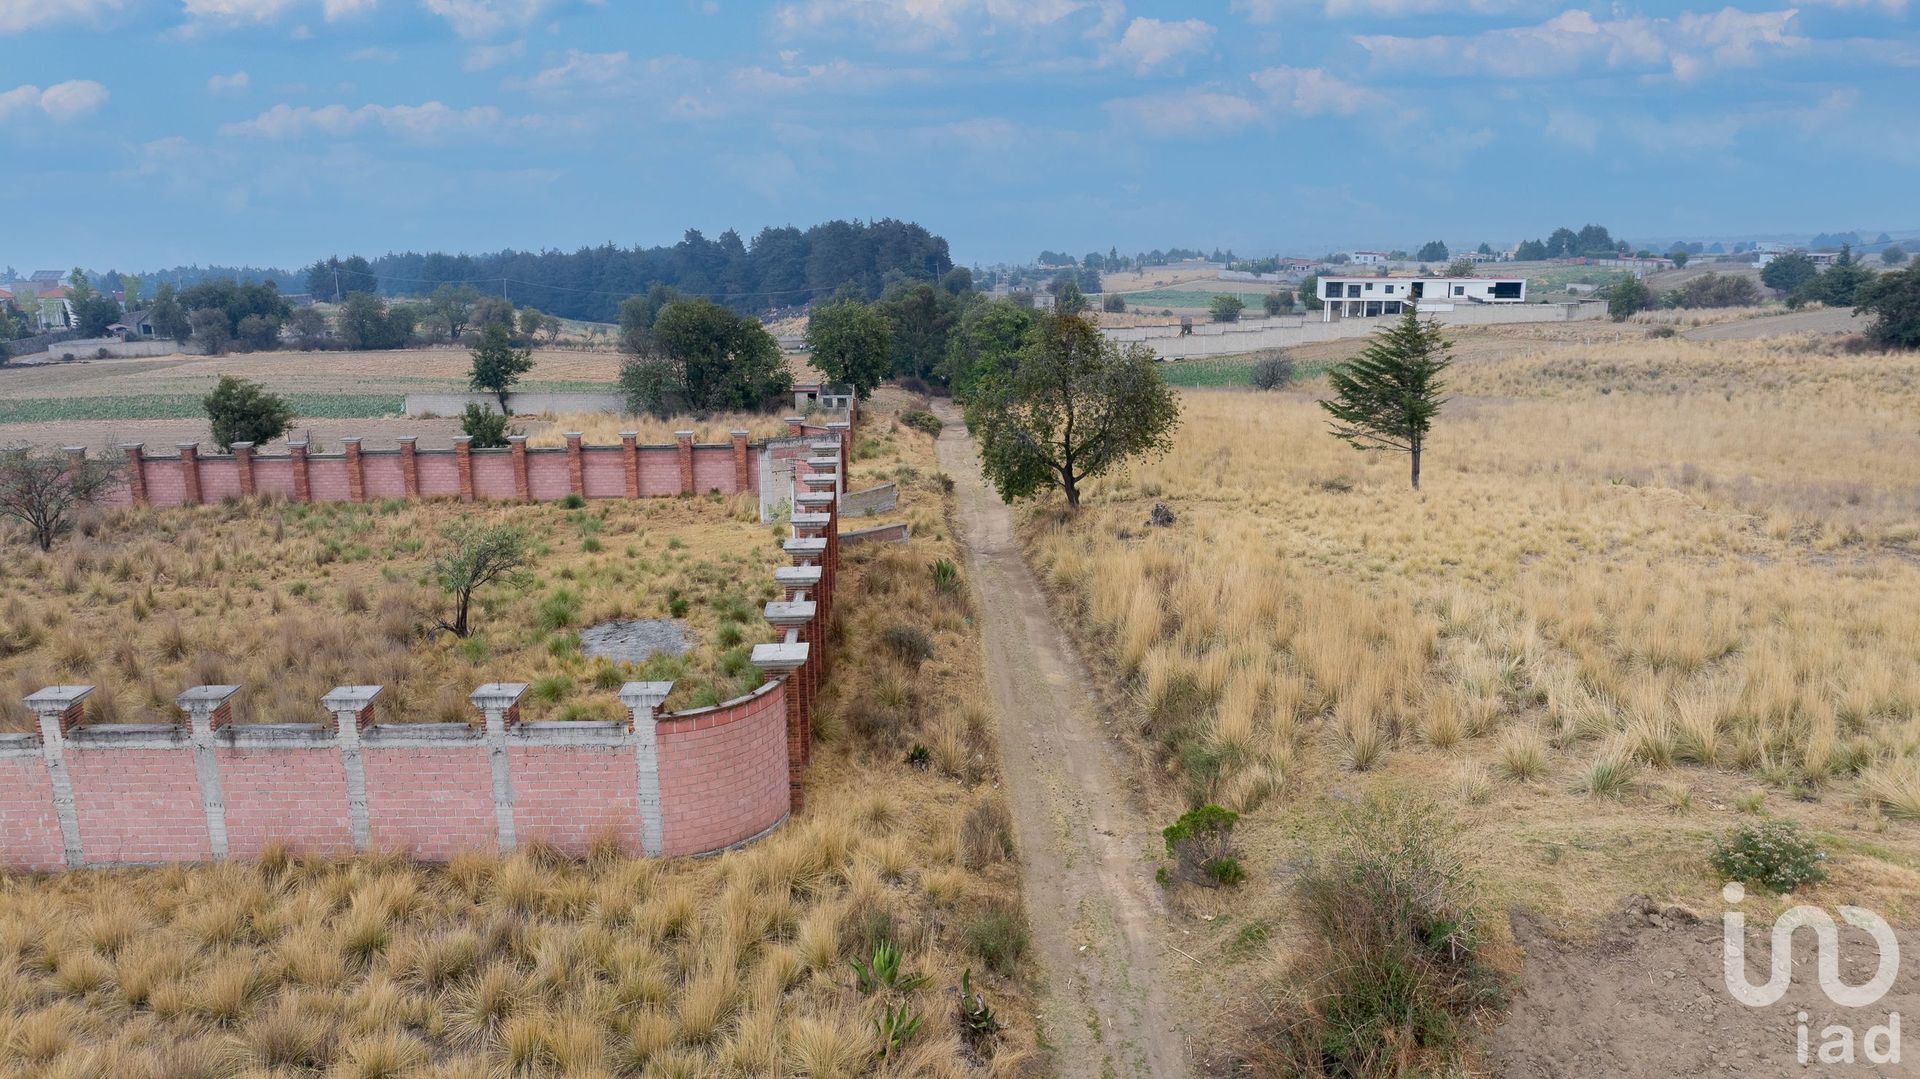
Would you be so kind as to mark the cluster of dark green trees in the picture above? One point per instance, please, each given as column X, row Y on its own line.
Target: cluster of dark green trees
column 688, row 354
column 780, row 267
column 1592, row 241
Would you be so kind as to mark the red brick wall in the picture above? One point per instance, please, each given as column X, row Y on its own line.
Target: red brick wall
column 294, row 796
column 712, row 469
column 605, row 472
column 439, row 475
column 166, row 486
column 547, row 479
column 29, row 830
column 571, row 795
column 328, row 479
column 659, row 471
column 138, row 805
column 493, row 475
column 384, row 475
column 723, row 773
column 430, row 803
column 219, row 479
column 273, row 476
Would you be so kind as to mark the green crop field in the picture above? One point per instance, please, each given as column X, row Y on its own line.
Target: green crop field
column 161, row 406
column 1225, row 371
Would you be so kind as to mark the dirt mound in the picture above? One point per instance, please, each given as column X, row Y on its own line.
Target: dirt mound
column 1648, row 997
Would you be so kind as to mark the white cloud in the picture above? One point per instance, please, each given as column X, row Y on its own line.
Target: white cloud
column 919, row 24
column 336, row 10
column 1311, row 91
column 487, row 18
column 1194, row 112
column 488, row 57
column 1271, row 11
column 258, row 11
column 235, row 83
column 1149, row 43
column 835, row 76
column 1891, row 7
column 429, row 122
column 583, row 69
column 1688, row 45
column 1573, row 128
column 20, row 15
column 65, row 101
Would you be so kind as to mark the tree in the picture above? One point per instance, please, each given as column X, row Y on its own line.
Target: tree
column 1714, row 290
column 1386, row 398
column 1789, row 272
column 258, row 333
column 1226, row 307
column 168, row 317
column 1113, row 303
column 1628, row 296
column 44, row 493
column 984, row 344
column 1562, row 243
column 211, row 329
column 1679, row 256
column 921, row 316
column 242, row 411
column 1483, row 249
column 1530, row 251
column 367, row 323
column 1070, row 406
column 336, row 278
column 1460, row 268
column 450, row 308
column 531, row 322
column 637, row 315
column 653, row 386
column 1432, row 251
column 1840, row 284
column 307, row 328
column 1310, row 293
column 723, row 360
column 1272, row 370
column 852, row 343
column 1894, row 301
column 1278, row 302
column 479, row 554
column 493, row 311
column 1893, row 255
column 1068, row 299
column 497, row 365
column 487, row 428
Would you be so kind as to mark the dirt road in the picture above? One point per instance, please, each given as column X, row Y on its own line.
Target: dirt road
column 1086, row 854
column 1825, row 320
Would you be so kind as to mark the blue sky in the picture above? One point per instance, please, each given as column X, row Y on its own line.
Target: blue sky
column 142, row 133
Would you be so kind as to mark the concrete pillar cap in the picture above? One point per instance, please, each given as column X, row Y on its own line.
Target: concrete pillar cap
column 54, row 700
column 408, row 440
column 791, row 612
column 498, row 695
column 186, row 445
column 204, row 698
column 349, row 698
column 779, row 658
column 648, row 695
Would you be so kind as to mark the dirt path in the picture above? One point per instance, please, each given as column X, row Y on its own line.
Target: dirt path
column 1086, row 854
column 1825, row 320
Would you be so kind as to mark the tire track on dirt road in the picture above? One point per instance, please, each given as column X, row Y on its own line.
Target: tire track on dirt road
column 1107, row 1009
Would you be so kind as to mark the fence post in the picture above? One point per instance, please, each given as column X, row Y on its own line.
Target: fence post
column 243, row 462
column 740, row 476
column 643, row 700
column 208, row 709
column 576, row 468
column 59, row 710
column 356, row 476
column 463, row 464
column 190, row 471
column 352, row 708
column 302, row 482
column 630, row 458
column 409, row 465
column 136, row 473
column 684, row 439
column 499, row 702
column 779, row 662
column 522, row 490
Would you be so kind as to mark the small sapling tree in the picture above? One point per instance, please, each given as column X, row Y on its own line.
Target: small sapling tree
column 477, row 554
column 46, row 492
column 497, row 365
column 1386, row 398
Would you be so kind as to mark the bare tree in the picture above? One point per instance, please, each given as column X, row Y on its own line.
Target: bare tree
column 481, row 554
column 45, row 492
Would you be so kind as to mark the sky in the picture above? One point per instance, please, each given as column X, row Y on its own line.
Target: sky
column 137, row 134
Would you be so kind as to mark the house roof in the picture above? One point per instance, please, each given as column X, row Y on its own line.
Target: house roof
column 46, row 275
column 135, row 318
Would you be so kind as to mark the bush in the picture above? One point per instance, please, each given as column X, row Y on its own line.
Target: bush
column 1277, row 303
column 242, row 411
column 1774, row 854
column 1272, row 370
column 1201, row 845
column 1714, row 290
column 923, row 421
column 487, row 428
column 1226, row 307
column 946, row 577
column 999, row 938
column 1391, row 977
column 1113, row 303
column 908, row 643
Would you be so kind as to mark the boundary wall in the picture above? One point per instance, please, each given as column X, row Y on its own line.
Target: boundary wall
column 1230, row 338
column 76, row 794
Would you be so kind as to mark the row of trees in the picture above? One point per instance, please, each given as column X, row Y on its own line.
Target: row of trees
column 781, row 267
column 1592, row 241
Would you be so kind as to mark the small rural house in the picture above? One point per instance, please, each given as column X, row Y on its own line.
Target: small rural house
column 1370, row 297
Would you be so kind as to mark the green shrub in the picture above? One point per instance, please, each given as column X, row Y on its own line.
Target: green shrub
column 559, row 610
column 999, row 938
column 1391, row 978
column 908, row 643
column 1201, row 846
column 923, row 421
column 242, row 411
column 946, row 578
column 678, row 607
column 1272, row 370
column 1775, row 854
column 487, row 428
column 573, row 502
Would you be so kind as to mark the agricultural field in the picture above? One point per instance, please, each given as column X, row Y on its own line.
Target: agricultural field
column 1651, row 589
column 533, row 964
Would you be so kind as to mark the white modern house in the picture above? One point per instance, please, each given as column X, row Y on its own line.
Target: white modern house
column 1367, row 258
column 1371, row 297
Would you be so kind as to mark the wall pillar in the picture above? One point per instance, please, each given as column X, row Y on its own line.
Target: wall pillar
column 208, row 709
column 796, row 426
column 630, row 461
column 243, row 463
column 643, row 701
column 302, row 484
column 499, row 702
column 684, row 439
column 60, row 709
column 576, row 468
column 356, row 473
column 741, row 482
column 409, row 465
column 136, row 473
column 522, row 489
column 463, row 464
column 190, row 471
column 352, row 708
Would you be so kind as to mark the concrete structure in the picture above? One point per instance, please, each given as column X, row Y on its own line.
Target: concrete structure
column 1368, row 258
column 1370, row 297
column 76, row 794
column 1239, row 338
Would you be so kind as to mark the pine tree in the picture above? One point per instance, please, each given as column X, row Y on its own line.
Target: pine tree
column 1387, row 397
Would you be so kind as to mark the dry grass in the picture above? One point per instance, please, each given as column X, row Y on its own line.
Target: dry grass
column 601, row 429
column 533, row 964
column 292, row 600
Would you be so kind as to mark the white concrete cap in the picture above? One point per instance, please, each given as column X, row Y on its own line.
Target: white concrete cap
column 647, row 695
column 779, row 658
column 797, row 576
column 349, row 698
column 208, row 697
column 791, row 612
column 498, row 694
column 56, row 699
column 811, row 545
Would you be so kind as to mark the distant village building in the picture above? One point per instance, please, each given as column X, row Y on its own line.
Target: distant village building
column 1367, row 258
column 1371, row 297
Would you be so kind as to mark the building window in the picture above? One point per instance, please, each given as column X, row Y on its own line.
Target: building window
column 1353, row 290
column 1459, row 290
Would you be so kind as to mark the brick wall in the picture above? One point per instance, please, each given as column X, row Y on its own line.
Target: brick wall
column 723, row 773
column 570, row 796
column 137, row 805
column 430, row 802
column 294, row 796
column 29, row 828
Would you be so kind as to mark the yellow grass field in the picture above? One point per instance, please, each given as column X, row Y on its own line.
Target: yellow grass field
column 737, row 965
column 1642, row 576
